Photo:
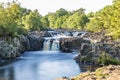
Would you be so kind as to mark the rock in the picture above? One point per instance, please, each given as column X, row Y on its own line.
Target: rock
column 16, row 46
column 111, row 67
column 63, row 78
column 70, row 44
column 35, row 42
column 92, row 51
column 10, row 49
column 68, row 33
column 101, row 74
column 25, row 44
column 45, row 34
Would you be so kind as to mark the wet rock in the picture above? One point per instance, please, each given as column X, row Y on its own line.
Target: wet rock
column 71, row 44
column 68, row 33
column 35, row 42
column 45, row 34
column 63, row 78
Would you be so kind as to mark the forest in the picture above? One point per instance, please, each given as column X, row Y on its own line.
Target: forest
column 15, row 20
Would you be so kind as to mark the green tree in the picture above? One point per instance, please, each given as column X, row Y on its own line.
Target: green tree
column 61, row 12
column 77, row 20
column 107, row 19
column 32, row 21
column 8, row 23
column 52, row 18
column 45, row 22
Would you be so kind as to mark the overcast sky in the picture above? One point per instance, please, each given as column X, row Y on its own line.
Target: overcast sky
column 45, row 6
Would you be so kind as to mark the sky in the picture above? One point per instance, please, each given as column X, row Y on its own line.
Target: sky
column 45, row 6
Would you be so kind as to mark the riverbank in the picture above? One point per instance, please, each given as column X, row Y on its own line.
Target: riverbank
column 14, row 47
column 101, row 50
column 92, row 47
column 110, row 72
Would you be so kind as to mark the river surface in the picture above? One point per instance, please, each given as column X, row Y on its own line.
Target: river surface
column 41, row 65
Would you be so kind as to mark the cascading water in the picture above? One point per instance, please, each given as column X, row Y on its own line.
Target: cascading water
column 46, row 45
column 55, row 45
column 36, row 65
column 51, row 44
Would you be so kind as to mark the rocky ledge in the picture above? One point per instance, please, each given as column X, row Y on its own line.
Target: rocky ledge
column 11, row 48
column 101, row 50
column 72, row 44
column 110, row 72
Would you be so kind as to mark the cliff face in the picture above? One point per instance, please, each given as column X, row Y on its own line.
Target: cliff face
column 16, row 46
column 110, row 72
column 101, row 50
column 71, row 44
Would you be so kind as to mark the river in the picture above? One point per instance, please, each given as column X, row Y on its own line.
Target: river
column 48, row 64
column 41, row 65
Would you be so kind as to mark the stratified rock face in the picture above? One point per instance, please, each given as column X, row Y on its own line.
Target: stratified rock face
column 15, row 47
column 31, row 42
column 110, row 72
column 35, row 42
column 10, row 49
column 90, row 52
column 69, row 44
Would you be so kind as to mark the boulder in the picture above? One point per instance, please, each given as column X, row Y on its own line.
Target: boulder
column 45, row 34
column 35, row 42
column 71, row 44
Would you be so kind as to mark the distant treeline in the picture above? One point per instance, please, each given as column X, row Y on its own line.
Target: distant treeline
column 15, row 20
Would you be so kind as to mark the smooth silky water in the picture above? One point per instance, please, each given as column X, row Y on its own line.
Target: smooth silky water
column 47, row 64
column 41, row 65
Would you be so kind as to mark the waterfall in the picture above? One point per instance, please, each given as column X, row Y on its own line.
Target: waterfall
column 51, row 44
column 46, row 45
column 55, row 45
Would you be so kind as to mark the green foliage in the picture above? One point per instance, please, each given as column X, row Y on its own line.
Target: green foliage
column 61, row 12
column 8, row 20
column 12, row 23
column 90, row 15
column 106, row 59
column 67, row 20
column 14, row 19
column 77, row 20
column 45, row 22
column 17, row 20
column 107, row 19
column 32, row 21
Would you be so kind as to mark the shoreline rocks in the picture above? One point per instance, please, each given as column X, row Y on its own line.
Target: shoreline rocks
column 110, row 72
column 71, row 44
column 15, row 47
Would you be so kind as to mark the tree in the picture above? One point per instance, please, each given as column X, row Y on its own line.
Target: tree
column 52, row 18
column 61, row 12
column 77, row 20
column 107, row 19
column 32, row 21
column 45, row 22
column 8, row 25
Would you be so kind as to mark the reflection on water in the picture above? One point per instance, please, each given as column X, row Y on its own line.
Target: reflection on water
column 41, row 65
